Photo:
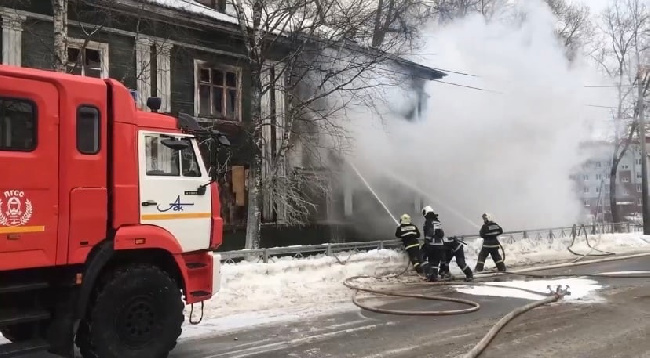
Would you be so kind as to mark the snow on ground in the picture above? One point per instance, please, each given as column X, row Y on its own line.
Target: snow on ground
column 581, row 289
column 287, row 288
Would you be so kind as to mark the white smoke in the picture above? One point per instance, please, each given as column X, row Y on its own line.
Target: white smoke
column 507, row 149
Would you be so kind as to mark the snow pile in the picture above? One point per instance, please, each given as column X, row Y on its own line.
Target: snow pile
column 581, row 290
column 314, row 282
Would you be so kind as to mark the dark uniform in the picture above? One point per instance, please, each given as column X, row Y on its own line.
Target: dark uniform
column 433, row 247
column 454, row 249
column 409, row 234
column 490, row 232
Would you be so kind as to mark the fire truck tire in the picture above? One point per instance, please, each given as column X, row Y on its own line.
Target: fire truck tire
column 137, row 313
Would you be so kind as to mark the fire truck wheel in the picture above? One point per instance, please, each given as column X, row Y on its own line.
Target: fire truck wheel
column 138, row 313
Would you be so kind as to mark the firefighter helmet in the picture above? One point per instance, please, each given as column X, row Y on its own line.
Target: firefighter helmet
column 405, row 219
column 426, row 210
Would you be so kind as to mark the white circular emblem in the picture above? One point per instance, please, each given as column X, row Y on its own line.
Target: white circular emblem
column 15, row 208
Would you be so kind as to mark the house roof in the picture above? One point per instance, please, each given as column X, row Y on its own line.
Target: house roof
column 193, row 7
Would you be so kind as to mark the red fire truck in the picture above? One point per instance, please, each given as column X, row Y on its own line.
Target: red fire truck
column 108, row 216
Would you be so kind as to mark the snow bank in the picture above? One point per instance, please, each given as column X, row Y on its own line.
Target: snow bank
column 313, row 285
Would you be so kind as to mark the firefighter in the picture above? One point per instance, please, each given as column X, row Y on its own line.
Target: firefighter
column 454, row 248
column 490, row 232
column 433, row 247
column 409, row 234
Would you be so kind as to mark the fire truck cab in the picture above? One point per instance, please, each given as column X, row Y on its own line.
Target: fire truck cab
column 108, row 216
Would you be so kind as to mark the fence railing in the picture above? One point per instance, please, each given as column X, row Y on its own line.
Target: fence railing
column 331, row 249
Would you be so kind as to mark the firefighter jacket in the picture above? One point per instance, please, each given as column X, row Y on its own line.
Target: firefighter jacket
column 433, row 232
column 408, row 233
column 490, row 232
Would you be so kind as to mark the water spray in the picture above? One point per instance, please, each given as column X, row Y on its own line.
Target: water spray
column 373, row 192
column 436, row 201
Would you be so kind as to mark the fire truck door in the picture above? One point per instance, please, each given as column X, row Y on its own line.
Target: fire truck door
column 29, row 115
column 173, row 191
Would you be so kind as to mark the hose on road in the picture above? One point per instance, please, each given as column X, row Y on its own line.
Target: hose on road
column 483, row 343
column 473, row 305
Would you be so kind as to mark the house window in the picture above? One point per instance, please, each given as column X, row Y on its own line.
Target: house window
column 597, row 190
column 625, row 167
column 638, row 161
column 639, row 201
column 585, row 177
column 87, row 58
column 638, row 188
column 586, row 190
column 218, row 92
column 232, row 193
column 17, row 125
column 638, row 175
column 625, row 180
column 599, row 176
column 598, row 165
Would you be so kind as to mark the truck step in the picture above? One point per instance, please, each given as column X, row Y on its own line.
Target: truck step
column 11, row 317
column 195, row 265
column 22, row 287
column 22, row 349
column 200, row 294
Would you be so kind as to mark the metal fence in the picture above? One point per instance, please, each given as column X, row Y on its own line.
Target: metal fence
column 332, row 249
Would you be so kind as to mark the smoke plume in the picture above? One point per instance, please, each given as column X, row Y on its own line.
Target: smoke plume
column 506, row 146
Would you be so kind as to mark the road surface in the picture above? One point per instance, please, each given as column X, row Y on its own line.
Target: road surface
column 617, row 328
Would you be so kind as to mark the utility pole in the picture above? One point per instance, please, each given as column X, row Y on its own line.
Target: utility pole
column 644, row 151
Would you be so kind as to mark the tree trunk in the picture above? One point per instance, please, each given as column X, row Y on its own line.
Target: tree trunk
column 612, row 189
column 60, row 20
column 254, row 220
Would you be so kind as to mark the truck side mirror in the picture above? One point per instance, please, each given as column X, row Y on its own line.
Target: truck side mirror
column 221, row 138
column 175, row 144
column 154, row 103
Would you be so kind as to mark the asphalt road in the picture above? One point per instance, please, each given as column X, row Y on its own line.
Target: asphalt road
column 617, row 328
column 560, row 330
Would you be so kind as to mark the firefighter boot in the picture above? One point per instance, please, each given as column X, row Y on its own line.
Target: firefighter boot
column 418, row 268
column 432, row 275
column 469, row 275
column 425, row 269
column 501, row 266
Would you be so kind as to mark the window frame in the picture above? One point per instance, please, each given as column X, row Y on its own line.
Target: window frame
column 200, row 64
column 35, row 115
column 194, row 157
column 103, row 49
column 99, row 129
column 203, row 170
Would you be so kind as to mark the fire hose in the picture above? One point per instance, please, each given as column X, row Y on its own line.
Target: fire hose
column 478, row 349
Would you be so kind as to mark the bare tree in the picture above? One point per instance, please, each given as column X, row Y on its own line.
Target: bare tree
column 60, row 19
column 321, row 53
column 625, row 25
column 574, row 26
